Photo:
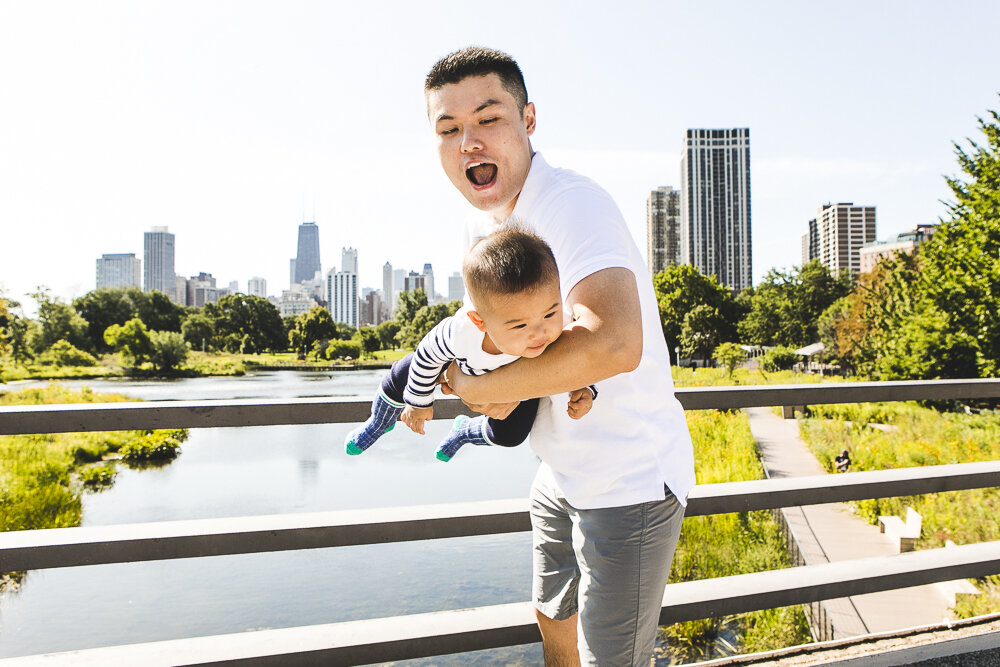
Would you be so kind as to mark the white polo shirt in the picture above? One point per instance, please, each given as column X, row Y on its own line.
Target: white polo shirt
column 635, row 438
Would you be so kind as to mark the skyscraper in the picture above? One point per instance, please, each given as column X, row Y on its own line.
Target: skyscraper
column 257, row 286
column 119, row 270
column 715, row 204
column 158, row 261
column 342, row 296
column 663, row 238
column 349, row 260
column 810, row 243
column 456, row 287
column 428, row 274
column 307, row 257
column 841, row 230
column 388, row 290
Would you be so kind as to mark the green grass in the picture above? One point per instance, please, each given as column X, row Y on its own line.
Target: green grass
column 716, row 377
column 920, row 436
column 730, row 544
column 43, row 476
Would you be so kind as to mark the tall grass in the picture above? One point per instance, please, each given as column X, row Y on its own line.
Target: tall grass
column 919, row 436
column 40, row 475
column 730, row 544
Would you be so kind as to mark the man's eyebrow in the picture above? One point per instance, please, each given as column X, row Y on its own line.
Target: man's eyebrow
column 486, row 104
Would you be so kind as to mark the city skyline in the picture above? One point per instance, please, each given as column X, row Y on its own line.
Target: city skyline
column 113, row 130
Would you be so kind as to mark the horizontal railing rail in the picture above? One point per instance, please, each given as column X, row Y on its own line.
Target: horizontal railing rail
column 402, row 637
column 78, row 417
column 93, row 545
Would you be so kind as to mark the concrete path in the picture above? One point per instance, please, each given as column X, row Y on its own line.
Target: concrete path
column 827, row 533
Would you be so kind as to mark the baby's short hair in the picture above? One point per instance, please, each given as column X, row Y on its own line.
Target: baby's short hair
column 509, row 261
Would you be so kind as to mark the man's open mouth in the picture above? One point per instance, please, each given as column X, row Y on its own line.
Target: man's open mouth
column 481, row 174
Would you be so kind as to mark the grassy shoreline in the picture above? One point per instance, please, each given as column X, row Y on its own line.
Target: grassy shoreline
column 44, row 476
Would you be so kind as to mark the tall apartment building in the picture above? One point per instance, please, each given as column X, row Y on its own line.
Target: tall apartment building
column 158, row 262
column 428, row 274
column 414, row 281
column 810, row 243
column 388, row 290
column 715, row 204
column 456, row 287
column 342, row 296
column 306, row 262
column 257, row 286
column 663, row 238
column 119, row 270
column 841, row 230
column 202, row 289
column 349, row 260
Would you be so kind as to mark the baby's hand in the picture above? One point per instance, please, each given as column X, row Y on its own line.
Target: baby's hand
column 415, row 417
column 580, row 402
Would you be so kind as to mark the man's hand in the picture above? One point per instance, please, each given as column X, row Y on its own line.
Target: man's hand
column 453, row 376
column 580, row 402
column 415, row 417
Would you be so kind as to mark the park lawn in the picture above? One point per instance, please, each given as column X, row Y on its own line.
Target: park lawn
column 919, row 436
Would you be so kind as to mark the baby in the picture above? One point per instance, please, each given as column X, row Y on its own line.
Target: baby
column 513, row 281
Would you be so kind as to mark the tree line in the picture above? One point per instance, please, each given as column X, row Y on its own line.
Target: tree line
column 933, row 313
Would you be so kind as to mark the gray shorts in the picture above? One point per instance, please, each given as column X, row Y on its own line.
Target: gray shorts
column 610, row 565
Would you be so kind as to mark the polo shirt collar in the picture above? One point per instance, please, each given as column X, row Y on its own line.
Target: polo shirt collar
column 534, row 183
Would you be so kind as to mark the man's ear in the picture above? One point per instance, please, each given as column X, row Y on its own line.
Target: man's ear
column 478, row 321
column 529, row 118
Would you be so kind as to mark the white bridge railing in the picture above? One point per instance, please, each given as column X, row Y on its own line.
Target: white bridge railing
column 438, row 633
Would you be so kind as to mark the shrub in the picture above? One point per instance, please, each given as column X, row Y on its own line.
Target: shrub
column 169, row 350
column 158, row 446
column 97, row 478
column 63, row 353
column 343, row 349
column 779, row 359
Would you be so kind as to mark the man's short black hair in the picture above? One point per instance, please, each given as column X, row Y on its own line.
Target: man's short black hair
column 478, row 61
column 509, row 261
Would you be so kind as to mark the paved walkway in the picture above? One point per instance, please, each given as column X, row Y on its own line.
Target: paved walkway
column 827, row 533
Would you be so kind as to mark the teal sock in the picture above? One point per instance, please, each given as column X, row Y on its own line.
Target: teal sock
column 382, row 420
column 464, row 431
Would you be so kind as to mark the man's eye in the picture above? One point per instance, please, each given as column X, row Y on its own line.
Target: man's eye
column 450, row 130
column 519, row 326
column 487, row 121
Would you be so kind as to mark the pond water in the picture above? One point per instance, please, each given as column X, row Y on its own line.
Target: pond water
column 273, row 470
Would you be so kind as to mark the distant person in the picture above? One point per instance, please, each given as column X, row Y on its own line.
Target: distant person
column 842, row 462
column 512, row 278
column 607, row 502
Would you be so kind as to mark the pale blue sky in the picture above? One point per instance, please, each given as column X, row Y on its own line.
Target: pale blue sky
column 227, row 121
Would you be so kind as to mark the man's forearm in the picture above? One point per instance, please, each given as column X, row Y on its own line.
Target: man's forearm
column 605, row 340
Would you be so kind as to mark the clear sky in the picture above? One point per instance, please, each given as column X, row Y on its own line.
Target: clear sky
column 232, row 122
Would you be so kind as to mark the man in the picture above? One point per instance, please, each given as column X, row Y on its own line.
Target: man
column 607, row 501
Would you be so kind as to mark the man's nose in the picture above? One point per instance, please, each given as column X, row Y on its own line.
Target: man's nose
column 470, row 140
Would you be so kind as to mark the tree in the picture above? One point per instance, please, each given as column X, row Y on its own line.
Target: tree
column 367, row 338
column 14, row 331
column 312, row 326
column 62, row 353
column 779, row 359
column 785, row 307
column 168, row 350
column 238, row 316
column 703, row 330
column 387, row 334
column 157, row 311
column 104, row 307
column 730, row 355
column 131, row 340
column 424, row 320
column 408, row 305
column 198, row 330
column 680, row 289
column 343, row 349
column 57, row 321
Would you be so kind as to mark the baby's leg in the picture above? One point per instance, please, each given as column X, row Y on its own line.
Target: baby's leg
column 386, row 408
column 481, row 430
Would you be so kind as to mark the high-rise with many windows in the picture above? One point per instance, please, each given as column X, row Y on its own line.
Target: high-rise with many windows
column 342, row 296
column 840, row 231
column 119, row 270
column 257, row 286
column 158, row 262
column 663, row 238
column 306, row 262
column 715, row 204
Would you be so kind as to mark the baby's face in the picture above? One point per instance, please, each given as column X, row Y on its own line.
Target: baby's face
column 524, row 324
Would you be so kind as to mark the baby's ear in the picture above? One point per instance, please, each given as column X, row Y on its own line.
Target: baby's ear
column 478, row 321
